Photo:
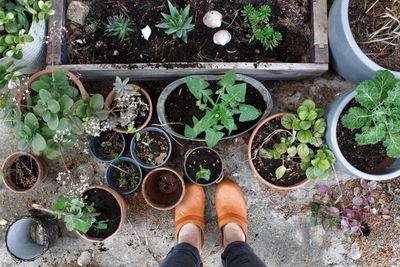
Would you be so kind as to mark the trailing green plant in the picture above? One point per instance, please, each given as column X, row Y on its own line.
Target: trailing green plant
column 177, row 23
column 219, row 112
column 377, row 115
column 262, row 31
column 9, row 75
column 54, row 116
column 303, row 143
column 119, row 26
column 78, row 215
column 14, row 23
column 204, row 174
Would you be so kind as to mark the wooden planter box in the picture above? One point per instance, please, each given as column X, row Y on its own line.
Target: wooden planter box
column 318, row 53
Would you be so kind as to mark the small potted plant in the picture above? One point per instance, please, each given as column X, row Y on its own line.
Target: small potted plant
column 124, row 175
column 363, row 129
column 151, row 147
column 203, row 166
column 108, row 146
column 163, row 188
column 22, row 172
column 29, row 237
column 130, row 107
column 286, row 150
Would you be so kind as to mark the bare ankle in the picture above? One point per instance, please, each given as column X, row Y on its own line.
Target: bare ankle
column 232, row 232
column 191, row 234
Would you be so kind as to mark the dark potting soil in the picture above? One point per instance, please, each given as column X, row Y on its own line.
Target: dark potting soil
column 266, row 167
column 24, row 172
column 180, row 107
column 366, row 158
column 152, row 148
column 364, row 24
column 164, row 188
column 108, row 206
column 207, row 159
column 109, row 144
column 290, row 17
column 128, row 178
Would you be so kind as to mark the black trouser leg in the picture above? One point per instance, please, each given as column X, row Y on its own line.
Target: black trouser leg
column 240, row 254
column 182, row 255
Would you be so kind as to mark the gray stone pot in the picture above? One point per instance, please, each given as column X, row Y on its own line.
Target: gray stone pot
column 333, row 113
column 347, row 58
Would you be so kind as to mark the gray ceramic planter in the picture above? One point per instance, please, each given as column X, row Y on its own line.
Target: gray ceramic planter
column 333, row 113
column 347, row 58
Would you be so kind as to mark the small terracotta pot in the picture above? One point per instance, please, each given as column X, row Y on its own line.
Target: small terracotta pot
column 253, row 168
column 110, row 100
column 49, row 71
column 154, row 195
column 122, row 207
column 42, row 167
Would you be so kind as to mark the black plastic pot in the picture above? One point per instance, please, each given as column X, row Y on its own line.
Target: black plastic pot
column 209, row 159
column 111, row 169
column 95, row 153
column 29, row 237
column 134, row 144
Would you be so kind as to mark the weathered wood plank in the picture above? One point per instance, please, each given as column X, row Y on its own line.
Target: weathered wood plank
column 57, row 34
column 319, row 47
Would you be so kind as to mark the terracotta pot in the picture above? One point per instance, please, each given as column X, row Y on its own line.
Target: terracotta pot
column 122, row 207
column 36, row 76
column 158, row 198
column 9, row 162
column 110, row 100
column 253, row 168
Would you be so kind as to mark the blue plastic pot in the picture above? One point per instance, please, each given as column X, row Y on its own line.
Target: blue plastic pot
column 116, row 187
column 133, row 148
column 97, row 155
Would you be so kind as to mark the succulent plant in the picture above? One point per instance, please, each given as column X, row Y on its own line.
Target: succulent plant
column 119, row 26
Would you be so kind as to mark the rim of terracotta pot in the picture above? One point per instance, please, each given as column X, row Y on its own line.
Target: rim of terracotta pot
column 110, row 99
column 11, row 159
column 122, row 207
column 253, row 168
column 157, row 170
column 36, row 76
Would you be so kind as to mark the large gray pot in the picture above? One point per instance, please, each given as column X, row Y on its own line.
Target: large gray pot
column 347, row 58
column 333, row 113
column 239, row 78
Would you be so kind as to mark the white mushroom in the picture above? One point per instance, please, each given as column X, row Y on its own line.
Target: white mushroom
column 146, row 32
column 222, row 37
column 212, row 19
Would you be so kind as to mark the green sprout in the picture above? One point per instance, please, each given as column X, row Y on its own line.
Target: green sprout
column 203, row 174
column 119, row 26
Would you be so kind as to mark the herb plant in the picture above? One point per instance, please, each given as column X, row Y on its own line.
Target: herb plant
column 304, row 142
column 119, row 26
column 219, row 112
column 378, row 113
column 177, row 23
column 262, row 31
column 203, row 174
column 77, row 215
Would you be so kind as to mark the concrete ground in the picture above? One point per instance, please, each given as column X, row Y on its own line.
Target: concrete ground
column 280, row 229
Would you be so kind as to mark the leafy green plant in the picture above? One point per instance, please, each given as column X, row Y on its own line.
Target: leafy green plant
column 9, row 75
column 55, row 115
column 219, row 113
column 203, row 174
column 178, row 23
column 77, row 215
column 119, row 26
column 378, row 113
column 303, row 142
column 262, row 31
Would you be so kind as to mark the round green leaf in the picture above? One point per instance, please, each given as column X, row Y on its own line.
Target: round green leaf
column 96, row 102
column 280, row 171
column 53, row 106
column 38, row 144
column 31, row 121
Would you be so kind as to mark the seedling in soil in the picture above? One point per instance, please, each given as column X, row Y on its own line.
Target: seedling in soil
column 259, row 22
column 152, row 147
column 203, row 174
column 24, row 172
column 177, row 23
column 377, row 115
column 126, row 176
column 119, row 26
column 219, row 113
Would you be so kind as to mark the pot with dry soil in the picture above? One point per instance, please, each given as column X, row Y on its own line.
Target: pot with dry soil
column 23, row 171
column 109, row 146
column 29, row 237
column 151, row 147
column 203, row 166
column 124, row 175
column 163, row 188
